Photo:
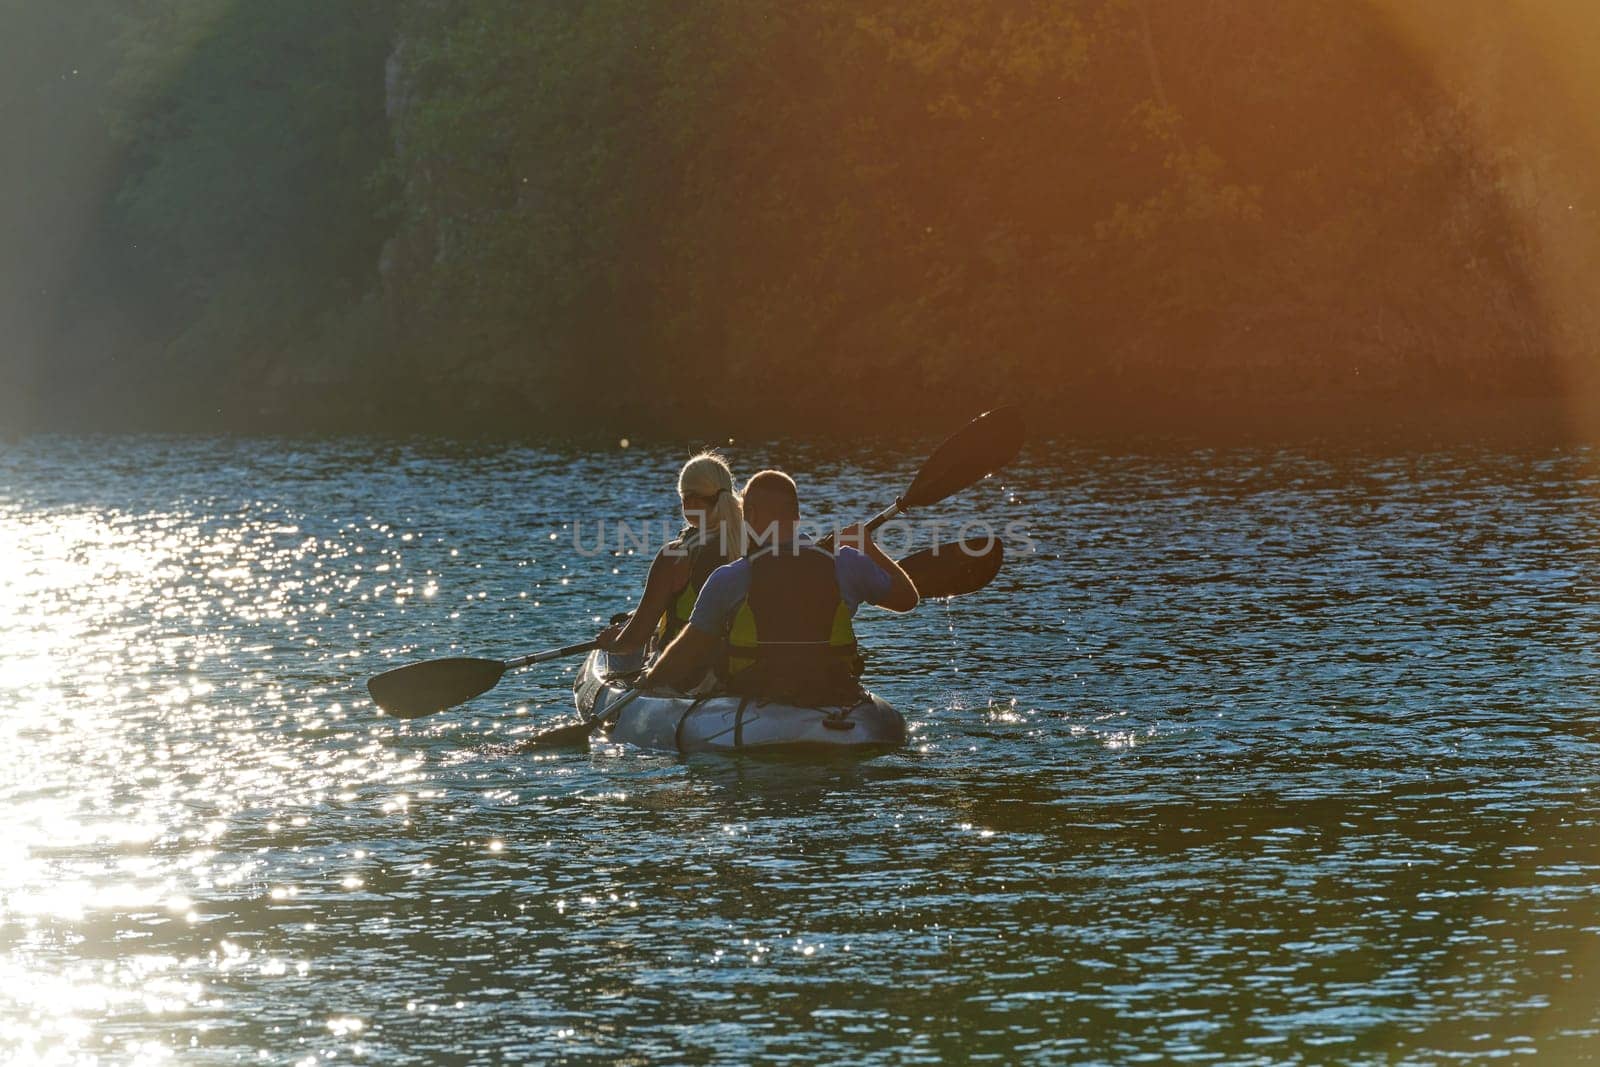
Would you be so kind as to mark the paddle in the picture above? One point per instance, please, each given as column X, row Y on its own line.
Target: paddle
column 978, row 449
column 954, row 568
column 577, row 733
column 419, row 689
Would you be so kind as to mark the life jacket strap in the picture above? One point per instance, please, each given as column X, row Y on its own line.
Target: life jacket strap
column 771, row 648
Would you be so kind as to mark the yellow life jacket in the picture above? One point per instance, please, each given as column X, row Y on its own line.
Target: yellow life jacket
column 792, row 638
column 704, row 558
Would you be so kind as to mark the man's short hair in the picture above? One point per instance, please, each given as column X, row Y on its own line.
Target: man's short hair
column 777, row 490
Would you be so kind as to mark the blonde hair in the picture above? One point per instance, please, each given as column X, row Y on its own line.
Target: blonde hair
column 707, row 474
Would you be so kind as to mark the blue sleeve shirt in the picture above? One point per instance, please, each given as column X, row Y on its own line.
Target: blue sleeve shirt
column 720, row 597
column 861, row 581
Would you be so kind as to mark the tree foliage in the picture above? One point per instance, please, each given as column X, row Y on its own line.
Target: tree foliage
column 604, row 211
column 713, row 204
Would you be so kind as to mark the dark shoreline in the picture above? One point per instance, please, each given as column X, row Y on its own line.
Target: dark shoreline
column 1113, row 422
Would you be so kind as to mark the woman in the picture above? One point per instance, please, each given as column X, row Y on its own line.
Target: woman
column 715, row 535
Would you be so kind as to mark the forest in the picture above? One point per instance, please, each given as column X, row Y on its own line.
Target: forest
column 765, row 217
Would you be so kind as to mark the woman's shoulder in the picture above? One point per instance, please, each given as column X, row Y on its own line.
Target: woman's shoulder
column 675, row 552
column 678, row 546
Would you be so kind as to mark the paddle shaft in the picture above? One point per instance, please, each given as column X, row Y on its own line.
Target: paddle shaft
column 897, row 508
column 579, row 732
column 979, row 448
column 614, row 712
column 870, row 525
column 550, row 654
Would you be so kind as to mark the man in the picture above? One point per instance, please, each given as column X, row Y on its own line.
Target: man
column 784, row 609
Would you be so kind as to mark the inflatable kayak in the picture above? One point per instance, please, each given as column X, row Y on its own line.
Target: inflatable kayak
column 724, row 723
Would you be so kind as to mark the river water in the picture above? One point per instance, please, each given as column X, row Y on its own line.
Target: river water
column 1247, row 756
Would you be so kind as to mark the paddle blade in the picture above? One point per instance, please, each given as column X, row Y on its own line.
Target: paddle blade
column 954, row 568
column 423, row 688
column 573, row 735
column 981, row 447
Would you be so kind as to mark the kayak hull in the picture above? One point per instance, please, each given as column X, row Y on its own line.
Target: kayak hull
column 731, row 724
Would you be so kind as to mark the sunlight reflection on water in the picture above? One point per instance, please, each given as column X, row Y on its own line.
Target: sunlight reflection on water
column 1260, row 756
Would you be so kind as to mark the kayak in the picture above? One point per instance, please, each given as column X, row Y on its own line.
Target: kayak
column 726, row 723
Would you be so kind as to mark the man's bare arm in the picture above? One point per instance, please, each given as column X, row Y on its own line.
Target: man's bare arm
column 682, row 662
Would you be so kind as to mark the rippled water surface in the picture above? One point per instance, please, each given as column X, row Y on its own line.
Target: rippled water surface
column 1251, row 756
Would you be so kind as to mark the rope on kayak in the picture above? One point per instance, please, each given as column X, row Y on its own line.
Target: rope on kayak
column 677, row 733
column 738, row 723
